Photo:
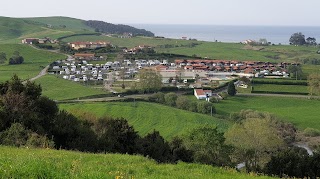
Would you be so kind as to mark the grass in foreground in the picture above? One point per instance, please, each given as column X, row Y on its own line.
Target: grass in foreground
column 45, row 163
column 34, row 61
column 146, row 117
column 301, row 112
column 60, row 89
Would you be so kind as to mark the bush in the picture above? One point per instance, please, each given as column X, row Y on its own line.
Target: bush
column 38, row 141
column 170, row 99
column 193, row 106
column 205, row 107
column 182, row 102
column 15, row 60
column 311, row 132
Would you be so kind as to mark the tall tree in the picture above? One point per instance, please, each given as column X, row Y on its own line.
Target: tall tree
column 297, row 39
column 311, row 41
column 254, row 140
column 314, row 84
column 150, row 81
column 209, row 146
column 231, row 89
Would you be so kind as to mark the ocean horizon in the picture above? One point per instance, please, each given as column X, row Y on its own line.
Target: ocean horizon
column 230, row 33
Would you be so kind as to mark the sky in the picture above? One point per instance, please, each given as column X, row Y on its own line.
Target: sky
column 205, row 12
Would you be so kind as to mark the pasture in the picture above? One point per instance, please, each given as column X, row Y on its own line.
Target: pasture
column 60, row 89
column 145, row 117
column 47, row 163
column 34, row 61
column 212, row 50
column 303, row 113
column 281, row 89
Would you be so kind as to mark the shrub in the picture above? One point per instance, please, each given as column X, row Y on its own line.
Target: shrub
column 311, row 132
column 182, row 102
column 170, row 99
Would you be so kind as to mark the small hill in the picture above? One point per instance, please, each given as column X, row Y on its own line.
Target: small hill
column 117, row 29
column 12, row 30
column 46, row 163
column 145, row 117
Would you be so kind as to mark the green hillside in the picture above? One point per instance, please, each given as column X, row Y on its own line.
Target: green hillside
column 34, row 61
column 60, row 89
column 58, row 23
column 146, row 117
column 212, row 50
column 12, row 30
column 303, row 113
column 46, row 163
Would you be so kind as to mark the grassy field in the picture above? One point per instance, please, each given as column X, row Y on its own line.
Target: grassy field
column 146, row 117
column 301, row 112
column 34, row 61
column 57, row 23
column 46, row 163
column 60, row 89
column 12, row 30
column 213, row 50
column 280, row 88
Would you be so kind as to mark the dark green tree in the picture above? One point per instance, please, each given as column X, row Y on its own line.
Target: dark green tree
column 3, row 57
column 297, row 39
column 231, row 89
column 179, row 152
column 209, row 146
column 154, row 146
column 116, row 135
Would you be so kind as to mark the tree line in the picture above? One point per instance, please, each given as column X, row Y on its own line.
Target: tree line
column 299, row 39
column 15, row 59
column 109, row 28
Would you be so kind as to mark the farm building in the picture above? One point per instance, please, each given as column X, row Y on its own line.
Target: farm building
column 202, row 94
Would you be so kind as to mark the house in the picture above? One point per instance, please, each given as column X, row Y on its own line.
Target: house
column 202, row 94
column 30, row 40
column 85, row 56
column 88, row 45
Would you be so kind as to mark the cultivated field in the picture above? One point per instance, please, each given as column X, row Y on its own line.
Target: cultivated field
column 46, row 163
column 146, row 117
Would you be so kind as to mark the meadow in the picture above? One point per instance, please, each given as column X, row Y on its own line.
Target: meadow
column 303, row 113
column 13, row 30
column 47, row 163
column 281, row 89
column 61, row 89
column 145, row 117
column 34, row 61
column 212, row 50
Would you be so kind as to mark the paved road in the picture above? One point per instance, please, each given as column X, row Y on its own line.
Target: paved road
column 45, row 70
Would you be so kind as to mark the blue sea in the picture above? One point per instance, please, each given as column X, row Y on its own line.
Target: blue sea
column 222, row 33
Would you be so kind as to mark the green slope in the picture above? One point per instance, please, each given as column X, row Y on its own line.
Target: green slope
column 12, row 30
column 303, row 113
column 60, row 89
column 45, row 163
column 34, row 61
column 70, row 23
column 146, row 117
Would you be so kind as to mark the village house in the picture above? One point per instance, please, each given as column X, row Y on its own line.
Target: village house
column 88, row 45
column 202, row 94
column 84, row 56
column 30, row 40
